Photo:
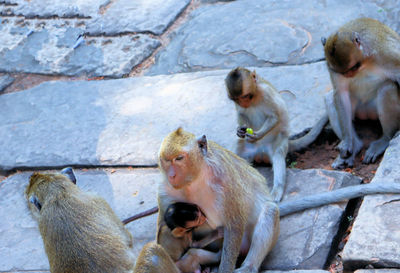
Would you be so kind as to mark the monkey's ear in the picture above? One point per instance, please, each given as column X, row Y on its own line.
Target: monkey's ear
column 323, row 41
column 33, row 199
column 202, row 142
column 68, row 172
column 355, row 37
column 178, row 232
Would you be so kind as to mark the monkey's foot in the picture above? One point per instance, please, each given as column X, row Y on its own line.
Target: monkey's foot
column 348, row 149
column 246, row 269
column 342, row 163
column 375, row 149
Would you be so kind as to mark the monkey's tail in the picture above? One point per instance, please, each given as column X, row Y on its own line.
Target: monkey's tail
column 140, row 215
column 310, row 137
column 320, row 199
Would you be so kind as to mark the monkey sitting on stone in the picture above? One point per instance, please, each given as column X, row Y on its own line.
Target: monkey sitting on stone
column 181, row 218
column 264, row 124
column 80, row 231
column 363, row 59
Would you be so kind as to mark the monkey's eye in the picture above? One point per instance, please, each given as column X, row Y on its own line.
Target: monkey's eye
column 179, row 157
column 355, row 67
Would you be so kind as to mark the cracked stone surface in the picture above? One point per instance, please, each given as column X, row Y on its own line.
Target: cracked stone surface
column 141, row 16
column 378, row 221
column 131, row 191
column 296, row 28
column 122, row 122
column 51, row 47
column 5, row 81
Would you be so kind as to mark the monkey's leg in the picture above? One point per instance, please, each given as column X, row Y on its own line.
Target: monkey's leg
column 278, row 159
column 264, row 237
column 341, row 163
column 388, row 106
column 193, row 258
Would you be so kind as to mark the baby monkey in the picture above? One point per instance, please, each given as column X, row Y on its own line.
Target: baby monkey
column 181, row 218
column 264, row 124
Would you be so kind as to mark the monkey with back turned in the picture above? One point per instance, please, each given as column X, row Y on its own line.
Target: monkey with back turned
column 80, row 231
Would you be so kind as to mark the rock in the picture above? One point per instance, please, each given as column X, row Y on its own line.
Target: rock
column 143, row 16
column 274, row 32
column 122, row 122
column 5, row 81
column 52, row 47
column 132, row 191
column 375, row 237
column 388, row 270
column 127, row 192
column 305, row 238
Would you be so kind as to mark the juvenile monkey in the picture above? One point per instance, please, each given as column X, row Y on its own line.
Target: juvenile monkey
column 363, row 59
column 260, row 107
column 80, row 231
column 233, row 195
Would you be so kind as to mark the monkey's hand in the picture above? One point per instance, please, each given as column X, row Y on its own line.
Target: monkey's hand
column 241, row 131
column 252, row 137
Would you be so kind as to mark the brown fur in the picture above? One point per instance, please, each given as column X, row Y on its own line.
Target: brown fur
column 220, row 175
column 154, row 259
column 363, row 59
column 266, row 113
column 80, row 231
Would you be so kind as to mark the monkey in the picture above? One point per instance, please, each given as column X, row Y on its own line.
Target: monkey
column 181, row 218
column 80, row 231
column 233, row 195
column 363, row 60
column 153, row 258
column 259, row 106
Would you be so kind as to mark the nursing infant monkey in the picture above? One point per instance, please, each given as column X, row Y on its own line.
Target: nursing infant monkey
column 363, row 59
column 260, row 107
column 233, row 196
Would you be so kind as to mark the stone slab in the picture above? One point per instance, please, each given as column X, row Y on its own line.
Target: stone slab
column 295, row 271
column 138, row 16
column 49, row 8
column 375, row 237
column 388, row 270
column 262, row 33
column 52, row 47
column 122, row 122
column 306, row 237
column 5, row 81
column 129, row 191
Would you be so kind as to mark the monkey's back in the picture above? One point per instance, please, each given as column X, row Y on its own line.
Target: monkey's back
column 82, row 234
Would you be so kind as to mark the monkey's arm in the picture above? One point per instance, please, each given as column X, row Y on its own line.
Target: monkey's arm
column 271, row 121
column 243, row 122
column 231, row 246
column 342, row 103
column 214, row 235
column 324, row 198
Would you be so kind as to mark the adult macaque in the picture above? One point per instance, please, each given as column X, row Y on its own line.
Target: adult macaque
column 363, row 59
column 264, row 124
column 233, row 195
column 80, row 231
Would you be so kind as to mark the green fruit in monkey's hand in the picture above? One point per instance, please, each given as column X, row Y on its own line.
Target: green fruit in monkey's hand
column 249, row 131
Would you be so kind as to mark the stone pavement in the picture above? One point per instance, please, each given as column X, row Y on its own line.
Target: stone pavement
column 110, row 130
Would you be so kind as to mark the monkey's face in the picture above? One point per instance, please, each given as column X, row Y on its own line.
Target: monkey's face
column 343, row 55
column 249, row 86
column 177, row 169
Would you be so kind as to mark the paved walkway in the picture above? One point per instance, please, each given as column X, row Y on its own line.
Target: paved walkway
column 111, row 129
